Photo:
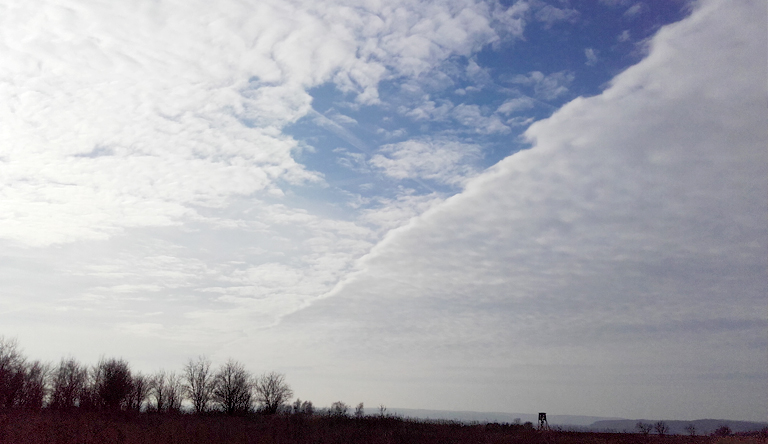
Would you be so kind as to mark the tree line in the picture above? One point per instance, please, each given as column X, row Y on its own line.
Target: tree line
column 111, row 385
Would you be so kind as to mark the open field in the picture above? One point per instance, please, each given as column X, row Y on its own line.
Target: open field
column 19, row 427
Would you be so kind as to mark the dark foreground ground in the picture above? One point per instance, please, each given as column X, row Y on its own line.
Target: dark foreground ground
column 91, row 428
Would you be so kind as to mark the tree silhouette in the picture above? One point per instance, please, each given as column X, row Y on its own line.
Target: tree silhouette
column 11, row 372
column 167, row 391
column 158, row 390
column 174, row 392
column 69, row 380
column 232, row 388
column 643, row 427
column 723, row 430
column 199, row 383
column 34, row 390
column 339, row 408
column 140, row 387
column 303, row 407
column 112, row 384
column 272, row 392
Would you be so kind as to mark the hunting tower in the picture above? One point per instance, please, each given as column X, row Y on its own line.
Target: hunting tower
column 543, row 421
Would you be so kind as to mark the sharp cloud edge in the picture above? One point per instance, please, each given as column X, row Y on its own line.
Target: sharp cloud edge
column 637, row 214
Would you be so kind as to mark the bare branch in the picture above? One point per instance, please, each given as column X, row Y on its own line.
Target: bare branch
column 199, row 383
column 272, row 392
column 232, row 388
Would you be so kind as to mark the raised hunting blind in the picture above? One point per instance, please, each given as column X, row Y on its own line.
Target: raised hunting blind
column 543, row 421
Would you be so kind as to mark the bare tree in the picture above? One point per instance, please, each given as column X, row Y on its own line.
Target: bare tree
column 88, row 398
column 338, row 408
column 199, row 383
column 112, row 384
column 661, row 428
column 691, row 429
column 643, row 427
column 296, row 406
column 140, row 387
column 174, row 392
column 167, row 390
column 359, row 411
column 11, row 372
column 272, row 392
column 158, row 390
column 22, row 383
column 383, row 412
column 723, row 430
column 35, row 386
column 303, row 407
column 68, row 382
column 232, row 388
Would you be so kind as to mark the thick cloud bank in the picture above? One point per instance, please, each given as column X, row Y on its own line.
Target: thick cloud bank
column 627, row 248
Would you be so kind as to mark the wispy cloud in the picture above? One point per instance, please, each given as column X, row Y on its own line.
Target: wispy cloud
column 634, row 10
column 517, row 104
column 624, row 36
column 444, row 161
column 591, row 55
column 184, row 105
column 550, row 14
column 545, row 86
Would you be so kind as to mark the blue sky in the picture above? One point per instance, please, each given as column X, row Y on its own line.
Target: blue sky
column 503, row 206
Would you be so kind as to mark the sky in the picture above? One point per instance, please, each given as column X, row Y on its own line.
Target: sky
column 511, row 206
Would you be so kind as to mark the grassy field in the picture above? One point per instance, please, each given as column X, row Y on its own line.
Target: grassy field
column 19, row 427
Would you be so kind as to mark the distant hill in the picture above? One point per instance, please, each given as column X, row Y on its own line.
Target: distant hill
column 585, row 423
column 703, row 426
column 484, row 417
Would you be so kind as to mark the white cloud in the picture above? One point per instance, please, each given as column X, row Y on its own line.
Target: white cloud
column 550, row 15
column 351, row 160
column 546, row 87
column 628, row 245
column 553, row 85
column 390, row 214
column 210, row 281
column 445, row 161
column 133, row 115
column 615, row 3
column 624, row 36
column 339, row 130
column 520, row 121
column 510, row 20
column 591, row 55
column 634, row 10
column 429, row 110
column 517, row 104
column 343, row 119
column 395, row 134
column 471, row 116
column 476, row 74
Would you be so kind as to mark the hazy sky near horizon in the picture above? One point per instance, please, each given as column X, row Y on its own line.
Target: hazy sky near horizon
column 516, row 206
